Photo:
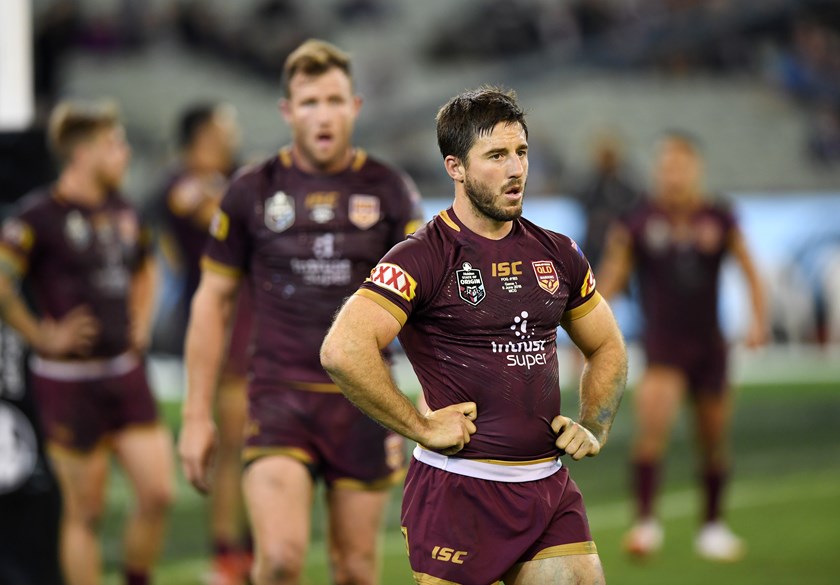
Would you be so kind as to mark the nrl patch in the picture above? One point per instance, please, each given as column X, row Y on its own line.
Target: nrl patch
column 470, row 284
column 279, row 212
column 546, row 275
column 77, row 230
column 364, row 211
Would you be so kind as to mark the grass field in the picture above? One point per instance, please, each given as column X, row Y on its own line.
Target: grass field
column 784, row 500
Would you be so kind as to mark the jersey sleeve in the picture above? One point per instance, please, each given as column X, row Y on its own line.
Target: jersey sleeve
column 18, row 245
column 228, row 247
column 404, row 279
column 408, row 213
column 582, row 295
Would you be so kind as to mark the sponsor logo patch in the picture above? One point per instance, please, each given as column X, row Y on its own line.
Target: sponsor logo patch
column 220, row 225
column 321, row 205
column 364, row 211
column 546, row 275
column 279, row 212
column 77, row 230
column 393, row 278
column 470, row 284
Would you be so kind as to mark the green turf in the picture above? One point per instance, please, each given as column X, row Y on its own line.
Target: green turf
column 785, row 501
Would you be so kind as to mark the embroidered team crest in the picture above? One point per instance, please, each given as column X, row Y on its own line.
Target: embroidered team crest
column 279, row 212
column 470, row 284
column 364, row 211
column 77, row 230
column 546, row 275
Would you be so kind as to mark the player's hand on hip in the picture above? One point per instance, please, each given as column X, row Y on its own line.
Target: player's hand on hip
column 73, row 334
column 757, row 336
column 448, row 430
column 196, row 448
column 574, row 438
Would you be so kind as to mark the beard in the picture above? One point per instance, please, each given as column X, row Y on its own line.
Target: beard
column 484, row 200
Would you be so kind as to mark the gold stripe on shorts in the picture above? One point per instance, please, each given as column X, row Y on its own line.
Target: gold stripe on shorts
column 565, row 550
column 346, row 483
column 250, row 454
column 425, row 579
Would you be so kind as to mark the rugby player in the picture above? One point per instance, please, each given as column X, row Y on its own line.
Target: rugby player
column 476, row 297
column 302, row 229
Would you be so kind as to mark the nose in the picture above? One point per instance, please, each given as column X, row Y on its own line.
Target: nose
column 516, row 166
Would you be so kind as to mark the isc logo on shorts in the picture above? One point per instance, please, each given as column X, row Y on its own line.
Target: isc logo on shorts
column 393, row 278
column 449, row 555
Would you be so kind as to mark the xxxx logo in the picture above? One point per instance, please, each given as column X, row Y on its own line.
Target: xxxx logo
column 393, row 278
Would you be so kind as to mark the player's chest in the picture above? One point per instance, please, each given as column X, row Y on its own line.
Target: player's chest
column 515, row 293
column 320, row 222
column 668, row 241
column 80, row 240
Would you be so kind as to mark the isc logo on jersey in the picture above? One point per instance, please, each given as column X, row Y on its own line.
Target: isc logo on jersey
column 393, row 278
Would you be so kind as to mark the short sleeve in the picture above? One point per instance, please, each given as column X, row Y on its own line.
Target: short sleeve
column 582, row 294
column 228, row 247
column 408, row 216
column 404, row 279
column 17, row 246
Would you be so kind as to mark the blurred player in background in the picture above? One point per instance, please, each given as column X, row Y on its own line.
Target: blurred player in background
column 208, row 136
column 676, row 243
column 476, row 296
column 303, row 229
column 82, row 251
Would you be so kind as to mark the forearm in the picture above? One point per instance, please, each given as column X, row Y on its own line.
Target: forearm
column 142, row 300
column 204, row 352
column 601, row 388
column 365, row 379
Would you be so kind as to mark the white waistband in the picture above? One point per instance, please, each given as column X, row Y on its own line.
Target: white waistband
column 511, row 472
column 81, row 370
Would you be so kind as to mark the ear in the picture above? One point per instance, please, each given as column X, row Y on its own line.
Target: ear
column 357, row 104
column 285, row 109
column 454, row 168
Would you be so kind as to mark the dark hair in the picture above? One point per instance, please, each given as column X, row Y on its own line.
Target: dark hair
column 475, row 113
column 193, row 119
column 72, row 123
column 314, row 57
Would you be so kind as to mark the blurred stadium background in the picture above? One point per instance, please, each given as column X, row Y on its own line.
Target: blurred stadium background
column 758, row 81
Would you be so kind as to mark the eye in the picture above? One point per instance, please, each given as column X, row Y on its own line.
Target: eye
column 496, row 156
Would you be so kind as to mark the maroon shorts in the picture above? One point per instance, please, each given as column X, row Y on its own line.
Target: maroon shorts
column 79, row 410
column 239, row 347
column 467, row 531
column 325, row 432
column 704, row 362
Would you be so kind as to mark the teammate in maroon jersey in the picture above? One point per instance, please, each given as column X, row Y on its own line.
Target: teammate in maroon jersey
column 209, row 138
column 303, row 229
column 85, row 256
column 476, row 297
column 676, row 244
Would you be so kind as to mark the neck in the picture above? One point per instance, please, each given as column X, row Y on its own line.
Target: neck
column 80, row 188
column 204, row 163
column 476, row 221
column 307, row 165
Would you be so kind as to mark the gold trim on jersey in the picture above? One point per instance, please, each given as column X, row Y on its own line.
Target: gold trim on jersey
column 208, row 263
column 584, row 309
column 566, row 550
column 251, row 454
column 285, row 155
column 444, row 215
column 322, row 387
column 13, row 260
column 359, row 159
column 395, row 310
column 516, row 463
column 346, row 483
column 426, row 579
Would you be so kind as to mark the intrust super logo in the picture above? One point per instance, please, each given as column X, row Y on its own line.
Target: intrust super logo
column 393, row 278
column 523, row 351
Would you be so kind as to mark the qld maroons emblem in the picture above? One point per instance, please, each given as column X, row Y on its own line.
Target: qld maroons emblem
column 364, row 211
column 470, row 284
column 546, row 275
column 279, row 212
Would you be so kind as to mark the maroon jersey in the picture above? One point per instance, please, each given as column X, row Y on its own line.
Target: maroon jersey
column 480, row 324
column 73, row 255
column 679, row 271
column 305, row 242
column 184, row 199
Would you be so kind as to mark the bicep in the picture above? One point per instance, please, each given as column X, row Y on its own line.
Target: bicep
column 594, row 330
column 361, row 320
column 216, row 287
